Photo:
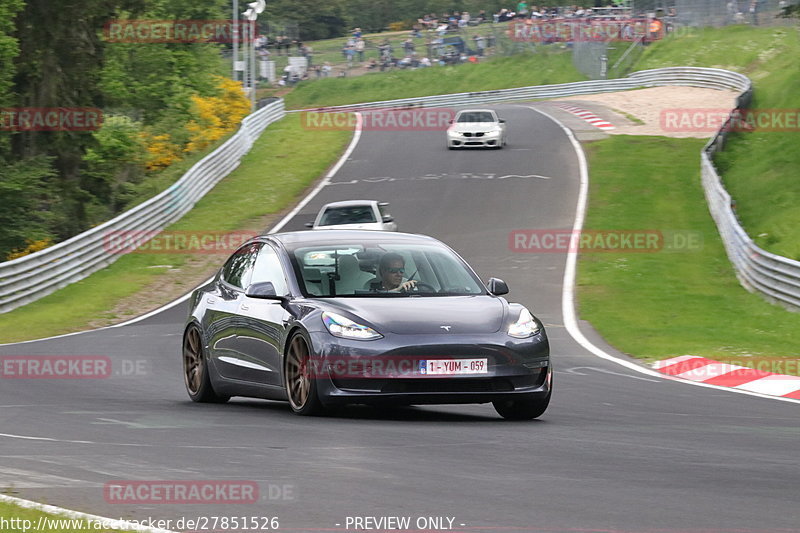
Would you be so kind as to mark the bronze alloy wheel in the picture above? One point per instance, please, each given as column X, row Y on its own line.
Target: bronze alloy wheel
column 195, row 369
column 193, row 361
column 299, row 378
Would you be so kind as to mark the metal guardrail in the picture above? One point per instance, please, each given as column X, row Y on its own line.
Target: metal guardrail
column 696, row 77
column 31, row 277
column 34, row 276
column 774, row 276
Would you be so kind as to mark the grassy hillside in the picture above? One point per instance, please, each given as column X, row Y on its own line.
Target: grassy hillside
column 760, row 169
column 683, row 300
column 546, row 67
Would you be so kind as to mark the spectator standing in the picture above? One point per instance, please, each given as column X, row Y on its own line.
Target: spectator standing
column 359, row 46
column 326, row 70
column 522, row 9
column 754, row 7
column 480, row 44
column 408, row 46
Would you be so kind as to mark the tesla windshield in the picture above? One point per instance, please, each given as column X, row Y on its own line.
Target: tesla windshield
column 382, row 270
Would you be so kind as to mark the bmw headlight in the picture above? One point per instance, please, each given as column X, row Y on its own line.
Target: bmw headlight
column 525, row 326
column 340, row 326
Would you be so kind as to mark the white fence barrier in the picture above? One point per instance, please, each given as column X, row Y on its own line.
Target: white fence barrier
column 34, row 276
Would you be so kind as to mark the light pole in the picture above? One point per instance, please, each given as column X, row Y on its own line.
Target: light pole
column 251, row 15
column 235, row 31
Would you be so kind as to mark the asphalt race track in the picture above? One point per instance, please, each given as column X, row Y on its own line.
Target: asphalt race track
column 618, row 451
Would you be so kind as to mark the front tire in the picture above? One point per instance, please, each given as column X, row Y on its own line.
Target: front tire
column 299, row 378
column 195, row 369
column 522, row 409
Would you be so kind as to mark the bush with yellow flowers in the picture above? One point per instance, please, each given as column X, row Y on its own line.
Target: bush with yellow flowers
column 216, row 116
column 32, row 246
column 161, row 151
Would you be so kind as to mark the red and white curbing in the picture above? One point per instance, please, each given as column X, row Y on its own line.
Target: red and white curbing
column 696, row 368
column 588, row 116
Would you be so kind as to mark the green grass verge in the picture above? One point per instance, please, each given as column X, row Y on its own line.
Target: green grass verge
column 665, row 304
column 20, row 519
column 281, row 164
column 761, row 170
column 543, row 68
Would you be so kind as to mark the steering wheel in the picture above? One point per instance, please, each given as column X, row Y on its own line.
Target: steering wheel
column 420, row 284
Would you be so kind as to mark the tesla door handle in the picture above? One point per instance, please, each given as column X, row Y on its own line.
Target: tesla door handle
column 244, row 307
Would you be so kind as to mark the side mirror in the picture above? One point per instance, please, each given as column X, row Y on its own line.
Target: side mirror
column 497, row 286
column 450, row 121
column 264, row 290
column 502, row 121
column 388, row 218
column 309, row 224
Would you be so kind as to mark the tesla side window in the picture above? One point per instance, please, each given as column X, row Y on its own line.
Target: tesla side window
column 239, row 267
column 268, row 268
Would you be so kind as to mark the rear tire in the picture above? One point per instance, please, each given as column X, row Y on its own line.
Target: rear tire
column 300, row 378
column 195, row 369
column 522, row 409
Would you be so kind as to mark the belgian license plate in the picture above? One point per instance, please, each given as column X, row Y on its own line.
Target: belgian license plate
column 451, row 367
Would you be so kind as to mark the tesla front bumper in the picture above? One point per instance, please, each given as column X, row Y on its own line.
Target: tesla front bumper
column 390, row 370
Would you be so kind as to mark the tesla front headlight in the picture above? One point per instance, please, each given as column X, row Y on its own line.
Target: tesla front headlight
column 525, row 326
column 340, row 326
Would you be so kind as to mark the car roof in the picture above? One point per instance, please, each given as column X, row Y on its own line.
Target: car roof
column 334, row 236
column 476, row 111
column 347, row 203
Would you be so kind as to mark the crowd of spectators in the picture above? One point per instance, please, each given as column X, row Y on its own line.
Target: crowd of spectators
column 435, row 39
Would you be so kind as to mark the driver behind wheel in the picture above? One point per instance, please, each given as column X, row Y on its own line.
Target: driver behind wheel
column 390, row 275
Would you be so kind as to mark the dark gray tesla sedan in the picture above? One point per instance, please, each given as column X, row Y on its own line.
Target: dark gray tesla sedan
column 344, row 317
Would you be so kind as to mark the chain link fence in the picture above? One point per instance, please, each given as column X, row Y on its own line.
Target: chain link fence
column 613, row 59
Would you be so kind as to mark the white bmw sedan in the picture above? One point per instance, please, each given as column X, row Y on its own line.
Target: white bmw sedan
column 476, row 128
column 354, row 214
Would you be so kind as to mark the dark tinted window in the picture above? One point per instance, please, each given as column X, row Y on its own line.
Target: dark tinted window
column 357, row 214
column 238, row 269
column 481, row 116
